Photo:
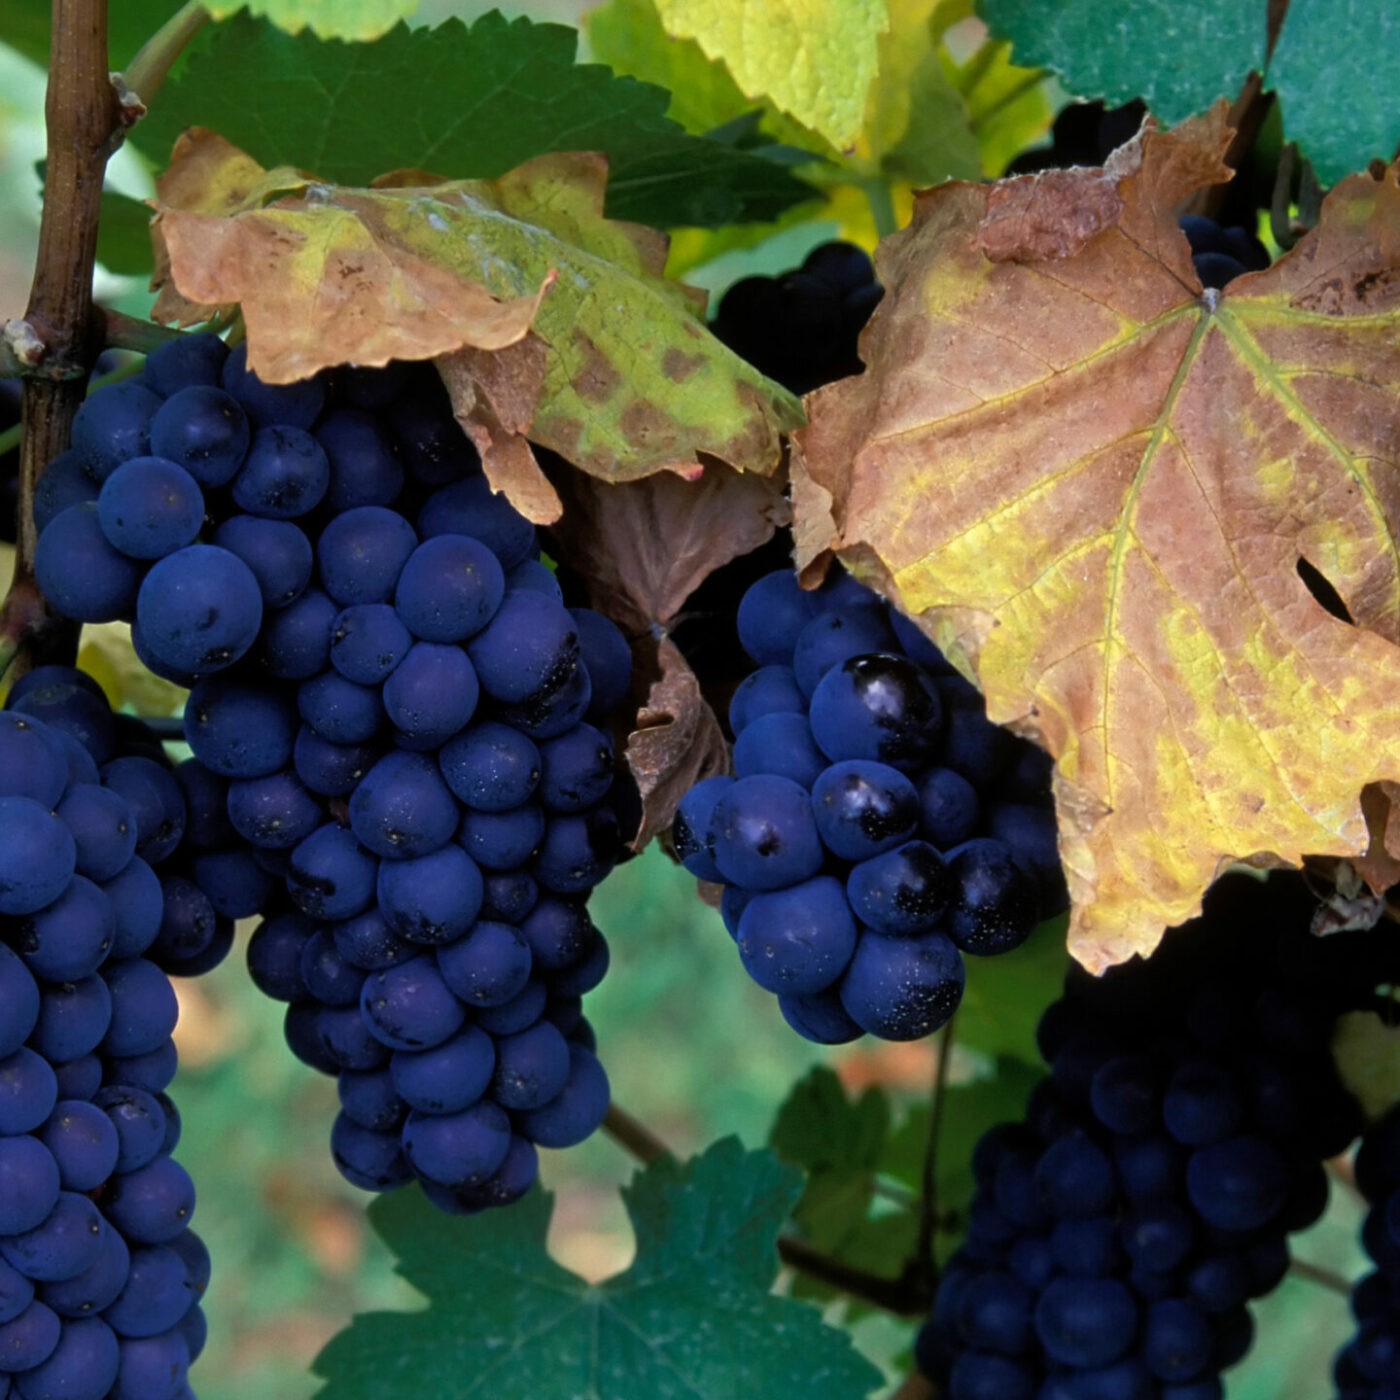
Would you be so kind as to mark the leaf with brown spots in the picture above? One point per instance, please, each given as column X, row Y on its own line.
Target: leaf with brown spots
column 620, row 375
column 1093, row 483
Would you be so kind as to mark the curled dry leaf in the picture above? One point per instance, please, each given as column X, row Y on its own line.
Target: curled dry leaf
column 1095, row 482
column 641, row 548
column 676, row 743
column 494, row 396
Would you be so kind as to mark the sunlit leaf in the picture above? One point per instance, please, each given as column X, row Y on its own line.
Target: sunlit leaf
column 626, row 381
column 815, row 59
column 1095, row 483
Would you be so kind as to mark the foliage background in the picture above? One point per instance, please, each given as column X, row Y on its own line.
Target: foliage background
column 692, row 1046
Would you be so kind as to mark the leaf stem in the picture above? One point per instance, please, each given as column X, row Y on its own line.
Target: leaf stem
column 145, row 73
column 978, row 65
column 1027, row 84
column 1341, row 1169
column 881, row 202
column 924, row 1265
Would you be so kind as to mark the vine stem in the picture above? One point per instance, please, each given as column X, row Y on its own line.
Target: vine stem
column 145, row 73
column 10, row 438
column 85, row 116
column 900, row 1296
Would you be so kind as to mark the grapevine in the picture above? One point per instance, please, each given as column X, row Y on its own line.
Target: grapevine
column 726, row 541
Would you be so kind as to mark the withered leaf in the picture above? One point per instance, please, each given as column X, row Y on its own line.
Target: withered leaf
column 630, row 382
column 1095, row 482
column 643, row 547
column 677, row 741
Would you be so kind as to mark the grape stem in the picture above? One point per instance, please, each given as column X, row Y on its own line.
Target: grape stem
column 903, row 1296
column 125, row 332
column 924, row 1262
column 1328, row 1278
column 86, row 114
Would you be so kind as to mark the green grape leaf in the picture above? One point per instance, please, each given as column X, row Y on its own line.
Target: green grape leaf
column 1336, row 69
column 819, row 1127
column 1367, row 1052
column 316, row 104
column 839, row 1142
column 124, row 235
column 968, row 1111
column 692, row 1317
column 25, row 25
column 1177, row 55
column 330, row 19
column 814, row 59
column 1006, row 994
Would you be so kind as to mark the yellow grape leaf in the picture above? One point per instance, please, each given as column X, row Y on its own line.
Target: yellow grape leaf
column 1094, row 482
column 359, row 20
column 815, row 59
column 628, row 36
column 1009, row 106
column 108, row 657
column 917, row 126
column 619, row 375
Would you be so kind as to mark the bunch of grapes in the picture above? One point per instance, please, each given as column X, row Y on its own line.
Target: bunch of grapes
column 1220, row 254
column 100, row 1274
column 1119, row 1231
column 877, row 825
column 801, row 328
column 399, row 730
column 1368, row 1368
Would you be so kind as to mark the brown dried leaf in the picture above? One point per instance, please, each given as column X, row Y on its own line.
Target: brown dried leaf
column 207, row 175
column 622, row 377
column 494, row 396
column 1095, row 481
column 1379, row 865
column 677, row 741
column 642, row 547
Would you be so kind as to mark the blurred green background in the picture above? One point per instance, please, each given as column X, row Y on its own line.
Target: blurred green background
column 692, row 1046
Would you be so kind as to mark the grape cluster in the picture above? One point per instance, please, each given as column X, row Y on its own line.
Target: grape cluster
column 100, row 1274
column 1368, row 1368
column 877, row 825
column 801, row 328
column 395, row 727
column 1220, row 254
column 1118, row 1232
